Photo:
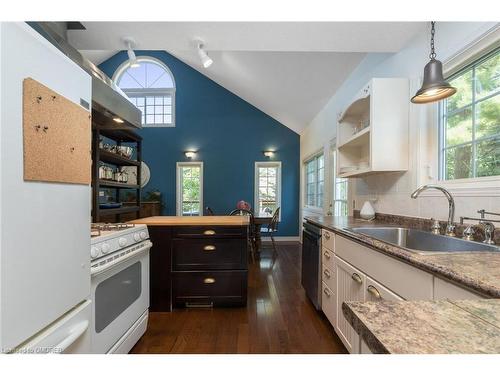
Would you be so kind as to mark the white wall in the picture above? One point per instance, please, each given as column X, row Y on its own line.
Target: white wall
column 393, row 189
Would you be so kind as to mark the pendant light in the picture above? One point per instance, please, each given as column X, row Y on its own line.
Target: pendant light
column 434, row 87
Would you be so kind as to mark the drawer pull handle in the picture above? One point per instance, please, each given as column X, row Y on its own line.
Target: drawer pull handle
column 357, row 278
column 327, row 273
column 209, row 232
column 374, row 291
column 209, row 248
column 327, row 292
column 327, row 236
column 327, row 255
column 209, row 280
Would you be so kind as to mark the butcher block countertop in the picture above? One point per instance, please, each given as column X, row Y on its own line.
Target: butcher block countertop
column 192, row 220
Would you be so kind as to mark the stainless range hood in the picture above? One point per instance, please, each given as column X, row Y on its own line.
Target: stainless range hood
column 108, row 100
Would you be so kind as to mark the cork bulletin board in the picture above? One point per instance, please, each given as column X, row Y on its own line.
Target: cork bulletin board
column 56, row 137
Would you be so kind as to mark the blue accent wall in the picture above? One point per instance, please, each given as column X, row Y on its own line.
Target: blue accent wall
column 229, row 135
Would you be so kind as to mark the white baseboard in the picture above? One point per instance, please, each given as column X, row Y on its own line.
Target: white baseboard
column 282, row 239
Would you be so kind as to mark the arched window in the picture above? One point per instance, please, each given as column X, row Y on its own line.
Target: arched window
column 151, row 87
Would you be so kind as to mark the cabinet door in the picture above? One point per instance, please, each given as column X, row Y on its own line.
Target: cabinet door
column 350, row 287
column 374, row 291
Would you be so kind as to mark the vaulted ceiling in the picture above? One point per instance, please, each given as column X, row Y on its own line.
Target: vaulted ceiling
column 289, row 70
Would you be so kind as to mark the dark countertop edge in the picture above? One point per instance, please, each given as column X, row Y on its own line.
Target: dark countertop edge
column 365, row 334
column 407, row 257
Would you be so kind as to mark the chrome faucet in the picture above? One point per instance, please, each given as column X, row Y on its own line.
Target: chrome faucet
column 489, row 232
column 450, row 227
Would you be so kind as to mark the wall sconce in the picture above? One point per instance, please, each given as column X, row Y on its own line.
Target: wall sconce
column 268, row 154
column 190, row 154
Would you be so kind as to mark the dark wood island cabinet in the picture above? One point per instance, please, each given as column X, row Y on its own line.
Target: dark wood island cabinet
column 197, row 261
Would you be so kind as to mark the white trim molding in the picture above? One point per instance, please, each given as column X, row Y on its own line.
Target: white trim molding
column 267, row 164
column 178, row 192
column 470, row 187
column 428, row 164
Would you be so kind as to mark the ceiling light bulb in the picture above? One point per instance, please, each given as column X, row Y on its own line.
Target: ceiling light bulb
column 190, row 154
column 118, row 120
column 269, row 154
column 205, row 59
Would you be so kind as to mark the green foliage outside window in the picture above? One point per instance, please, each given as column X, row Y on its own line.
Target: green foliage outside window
column 471, row 121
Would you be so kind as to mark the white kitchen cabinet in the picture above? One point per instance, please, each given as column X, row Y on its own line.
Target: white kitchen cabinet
column 327, row 258
column 446, row 290
column 329, row 303
column 375, row 291
column 350, row 287
column 328, row 276
column 403, row 279
column 363, row 348
column 328, row 240
column 372, row 132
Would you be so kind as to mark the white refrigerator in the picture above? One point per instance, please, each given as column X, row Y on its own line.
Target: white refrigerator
column 44, row 227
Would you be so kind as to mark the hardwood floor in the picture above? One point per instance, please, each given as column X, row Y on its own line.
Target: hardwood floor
column 278, row 319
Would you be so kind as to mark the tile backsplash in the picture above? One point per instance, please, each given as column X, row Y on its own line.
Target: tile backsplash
column 392, row 193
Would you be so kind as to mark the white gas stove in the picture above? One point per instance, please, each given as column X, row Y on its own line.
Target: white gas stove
column 119, row 285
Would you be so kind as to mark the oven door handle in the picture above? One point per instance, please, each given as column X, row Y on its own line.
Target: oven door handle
column 133, row 254
column 76, row 332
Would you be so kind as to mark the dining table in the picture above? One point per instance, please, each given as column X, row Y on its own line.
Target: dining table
column 259, row 221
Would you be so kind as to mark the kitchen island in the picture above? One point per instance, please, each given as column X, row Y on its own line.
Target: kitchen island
column 197, row 261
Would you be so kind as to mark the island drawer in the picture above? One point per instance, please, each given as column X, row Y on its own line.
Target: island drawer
column 211, row 288
column 209, row 254
column 213, row 231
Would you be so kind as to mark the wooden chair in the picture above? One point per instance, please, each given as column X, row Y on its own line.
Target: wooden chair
column 251, row 231
column 208, row 211
column 272, row 228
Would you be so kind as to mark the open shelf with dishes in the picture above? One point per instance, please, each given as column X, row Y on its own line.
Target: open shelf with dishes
column 372, row 132
column 115, row 152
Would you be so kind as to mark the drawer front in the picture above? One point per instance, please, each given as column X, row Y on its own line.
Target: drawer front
column 329, row 278
column 217, row 288
column 328, row 239
column 407, row 281
column 327, row 257
column 209, row 253
column 446, row 290
column 328, row 303
column 214, row 231
column 374, row 291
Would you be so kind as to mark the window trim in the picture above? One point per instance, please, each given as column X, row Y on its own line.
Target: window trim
column 178, row 193
column 151, row 91
column 267, row 164
column 428, row 157
column 304, row 163
column 335, row 183
column 478, row 59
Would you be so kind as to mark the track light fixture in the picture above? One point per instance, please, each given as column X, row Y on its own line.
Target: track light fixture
column 205, row 59
column 132, row 59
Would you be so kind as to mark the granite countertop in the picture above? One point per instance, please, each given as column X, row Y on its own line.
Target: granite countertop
column 477, row 271
column 432, row 327
column 193, row 220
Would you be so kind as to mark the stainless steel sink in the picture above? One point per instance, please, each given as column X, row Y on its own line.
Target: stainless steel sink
column 423, row 242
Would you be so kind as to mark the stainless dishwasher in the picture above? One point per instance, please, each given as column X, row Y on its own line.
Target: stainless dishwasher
column 311, row 262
